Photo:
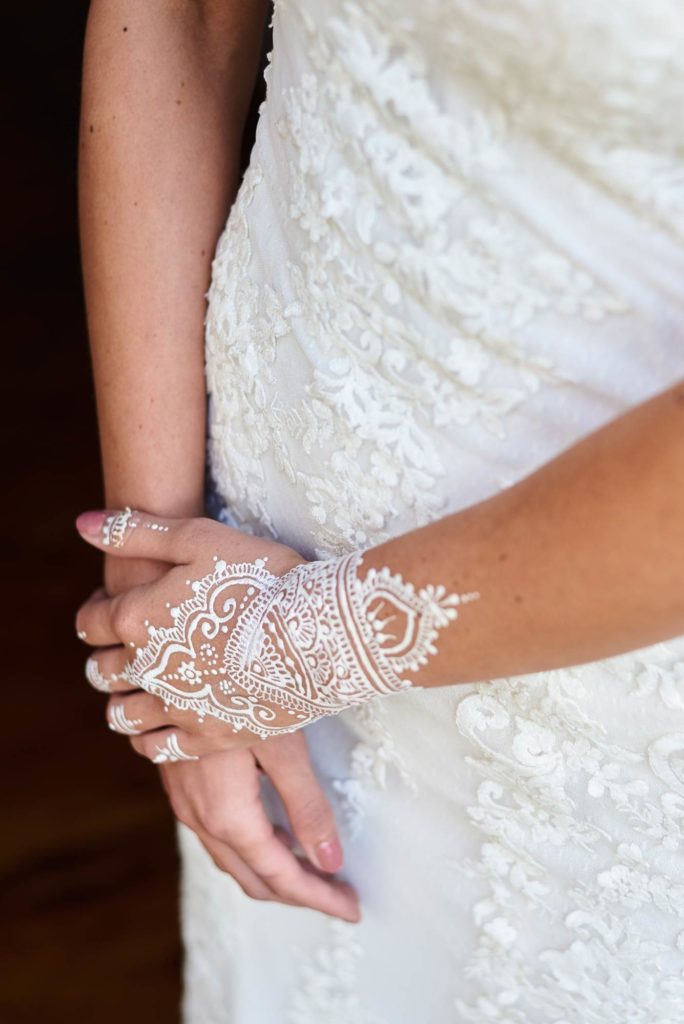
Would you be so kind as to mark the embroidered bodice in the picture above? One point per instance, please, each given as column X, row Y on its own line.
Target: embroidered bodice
column 434, row 262
column 458, row 248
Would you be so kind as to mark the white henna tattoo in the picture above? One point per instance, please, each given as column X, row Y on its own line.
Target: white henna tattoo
column 118, row 722
column 171, row 752
column 148, row 525
column 99, row 681
column 116, row 527
column 95, row 677
column 272, row 654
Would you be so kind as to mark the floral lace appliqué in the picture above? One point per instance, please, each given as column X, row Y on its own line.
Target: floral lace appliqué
column 327, row 989
column 541, row 758
column 404, row 298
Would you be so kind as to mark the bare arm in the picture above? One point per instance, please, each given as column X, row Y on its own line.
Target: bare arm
column 581, row 560
column 165, row 93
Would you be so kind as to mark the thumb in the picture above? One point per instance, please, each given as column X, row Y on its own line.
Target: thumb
column 131, row 534
column 285, row 759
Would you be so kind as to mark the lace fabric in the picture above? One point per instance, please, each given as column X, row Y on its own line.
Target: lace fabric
column 458, row 248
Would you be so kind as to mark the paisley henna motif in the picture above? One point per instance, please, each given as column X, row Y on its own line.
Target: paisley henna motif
column 271, row 654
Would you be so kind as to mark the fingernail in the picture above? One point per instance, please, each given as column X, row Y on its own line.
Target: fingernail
column 89, row 524
column 329, row 855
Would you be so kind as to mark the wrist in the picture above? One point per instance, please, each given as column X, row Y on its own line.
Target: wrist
column 359, row 631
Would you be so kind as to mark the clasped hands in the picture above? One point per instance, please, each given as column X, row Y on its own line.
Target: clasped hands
column 236, row 645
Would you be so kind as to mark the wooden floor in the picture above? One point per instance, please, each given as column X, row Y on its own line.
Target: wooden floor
column 88, row 914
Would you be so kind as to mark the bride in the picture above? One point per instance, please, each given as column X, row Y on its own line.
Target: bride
column 416, row 687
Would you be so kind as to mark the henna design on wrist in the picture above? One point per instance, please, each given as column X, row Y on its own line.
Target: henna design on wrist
column 272, row 654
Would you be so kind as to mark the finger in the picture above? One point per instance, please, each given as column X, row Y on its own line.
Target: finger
column 134, row 534
column 161, row 748
column 111, row 621
column 291, row 879
column 169, row 746
column 223, row 857
column 286, row 762
column 241, row 825
column 228, row 860
column 104, row 670
column 95, row 596
column 231, row 863
column 289, row 841
column 284, row 836
column 135, row 714
column 92, row 626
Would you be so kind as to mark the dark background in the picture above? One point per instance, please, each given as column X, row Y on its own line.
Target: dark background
column 88, row 901
column 88, row 911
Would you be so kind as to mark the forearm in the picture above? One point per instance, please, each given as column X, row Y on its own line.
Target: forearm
column 165, row 92
column 581, row 560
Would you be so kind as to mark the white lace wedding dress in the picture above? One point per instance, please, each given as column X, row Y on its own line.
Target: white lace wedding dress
column 458, row 248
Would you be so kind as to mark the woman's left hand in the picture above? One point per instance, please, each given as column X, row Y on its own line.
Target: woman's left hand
column 243, row 638
column 176, row 723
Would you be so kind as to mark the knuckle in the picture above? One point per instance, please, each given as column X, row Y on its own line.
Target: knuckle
column 181, row 812
column 198, row 533
column 219, row 862
column 124, row 619
column 143, row 746
column 189, row 534
column 96, row 677
column 207, row 527
column 250, row 890
column 253, row 893
column 312, row 816
column 183, row 533
column 286, row 892
column 80, row 627
column 215, row 823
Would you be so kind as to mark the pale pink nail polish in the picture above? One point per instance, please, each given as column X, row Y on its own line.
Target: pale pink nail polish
column 89, row 524
column 329, row 855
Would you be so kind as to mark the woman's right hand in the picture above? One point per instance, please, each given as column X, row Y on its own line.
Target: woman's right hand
column 218, row 797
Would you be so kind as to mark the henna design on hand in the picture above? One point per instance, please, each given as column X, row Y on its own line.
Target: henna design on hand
column 118, row 722
column 171, row 752
column 95, row 677
column 271, row 654
column 116, row 527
